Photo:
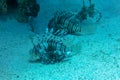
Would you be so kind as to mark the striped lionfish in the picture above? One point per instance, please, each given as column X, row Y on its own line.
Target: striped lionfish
column 49, row 49
column 64, row 23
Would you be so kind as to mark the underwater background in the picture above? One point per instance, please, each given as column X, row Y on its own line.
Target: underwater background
column 95, row 52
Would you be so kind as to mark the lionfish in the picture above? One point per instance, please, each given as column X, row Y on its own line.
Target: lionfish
column 64, row 22
column 49, row 49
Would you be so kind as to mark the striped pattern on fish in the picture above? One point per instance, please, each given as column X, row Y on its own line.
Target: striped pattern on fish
column 65, row 22
column 50, row 49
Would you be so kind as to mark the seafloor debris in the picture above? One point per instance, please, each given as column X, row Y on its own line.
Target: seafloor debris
column 88, row 12
column 22, row 10
column 3, row 7
column 8, row 6
column 65, row 22
column 27, row 9
column 49, row 49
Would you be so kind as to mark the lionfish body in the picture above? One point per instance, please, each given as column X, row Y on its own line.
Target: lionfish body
column 64, row 23
column 50, row 49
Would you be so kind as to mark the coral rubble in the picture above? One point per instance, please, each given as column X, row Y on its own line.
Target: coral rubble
column 3, row 7
column 21, row 9
column 88, row 12
column 27, row 9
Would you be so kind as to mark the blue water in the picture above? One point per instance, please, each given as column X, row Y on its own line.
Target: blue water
column 96, row 49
